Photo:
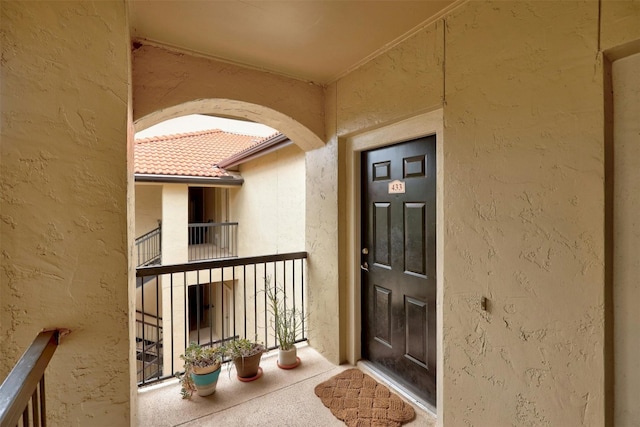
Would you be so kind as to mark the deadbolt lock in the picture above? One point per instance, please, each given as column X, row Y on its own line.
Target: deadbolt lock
column 365, row 251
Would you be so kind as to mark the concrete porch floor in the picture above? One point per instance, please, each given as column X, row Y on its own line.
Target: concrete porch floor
column 279, row 398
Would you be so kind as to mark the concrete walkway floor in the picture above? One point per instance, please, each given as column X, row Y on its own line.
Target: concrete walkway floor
column 279, row 398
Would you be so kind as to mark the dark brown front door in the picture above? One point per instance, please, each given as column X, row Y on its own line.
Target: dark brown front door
column 399, row 263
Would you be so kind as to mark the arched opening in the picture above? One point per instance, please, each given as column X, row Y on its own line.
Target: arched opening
column 261, row 211
column 299, row 134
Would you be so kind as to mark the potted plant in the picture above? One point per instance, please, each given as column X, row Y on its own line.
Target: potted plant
column 246, row 357
column 287, row 324
column 201, row 370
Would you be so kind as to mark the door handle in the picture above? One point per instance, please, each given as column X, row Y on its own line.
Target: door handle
column 365, row 267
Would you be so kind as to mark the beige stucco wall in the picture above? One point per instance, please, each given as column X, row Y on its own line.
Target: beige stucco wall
column 63, row 234
column 383, row 91
column 524, row 214
column 269, row 207
column 148, row 207
column 292, row 106
column 626, row 289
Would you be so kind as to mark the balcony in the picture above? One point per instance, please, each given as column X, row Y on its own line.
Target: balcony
column 209, row 240
column 213, row 301
column 279, row 398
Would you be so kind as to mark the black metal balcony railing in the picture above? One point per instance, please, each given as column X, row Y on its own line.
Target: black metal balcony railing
column 209, row 302
column 213, row 240
column 22, row 394
column 148, row 247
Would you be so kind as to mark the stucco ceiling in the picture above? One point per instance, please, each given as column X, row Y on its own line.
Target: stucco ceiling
column 306, row 39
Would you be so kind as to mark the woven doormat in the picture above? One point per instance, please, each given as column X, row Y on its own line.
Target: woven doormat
column 360, row 401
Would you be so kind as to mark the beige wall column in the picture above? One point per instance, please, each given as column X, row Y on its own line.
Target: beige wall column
column 322, row 245
column 175, row 223
column 63, row 199
column 175, row 250
column 626, row 288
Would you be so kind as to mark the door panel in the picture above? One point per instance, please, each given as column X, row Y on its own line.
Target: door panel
column 383, row 319
column 415, row 260
column 416, row 323
column 398, row 275
column 382, row 234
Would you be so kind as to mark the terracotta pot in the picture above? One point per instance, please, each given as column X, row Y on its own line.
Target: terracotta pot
column 247, row 367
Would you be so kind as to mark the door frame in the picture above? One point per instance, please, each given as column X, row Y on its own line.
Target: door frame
column 420, row 125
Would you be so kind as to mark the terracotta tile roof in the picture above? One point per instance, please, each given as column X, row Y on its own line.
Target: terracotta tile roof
column 190, row 154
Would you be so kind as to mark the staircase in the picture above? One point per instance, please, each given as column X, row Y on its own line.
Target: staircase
column 148, row 346
column 148, row 247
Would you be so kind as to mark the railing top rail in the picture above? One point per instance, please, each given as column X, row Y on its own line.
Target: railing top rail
column 210, row 224
column 218, row 263
column 17, row 388
column 148, row 234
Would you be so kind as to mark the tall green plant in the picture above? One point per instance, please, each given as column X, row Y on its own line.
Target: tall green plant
column 287, row 322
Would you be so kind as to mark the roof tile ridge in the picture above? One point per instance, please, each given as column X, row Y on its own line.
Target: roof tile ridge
column 258, row 137
column 256, row 144
column 178, row 135
column 259, row 140
column 181, row 135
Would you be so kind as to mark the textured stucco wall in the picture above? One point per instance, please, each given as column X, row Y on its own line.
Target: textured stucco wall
column 626, row 289
column 63, row 233
column 322, row 241
column 148, row 207
column 269, row 207
column 400, row 83
column 322, row 245
column 524, row 215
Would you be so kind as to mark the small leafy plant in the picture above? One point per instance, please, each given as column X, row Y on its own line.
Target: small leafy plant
column 242, row 347
column 239, row 349
column 195, row 358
